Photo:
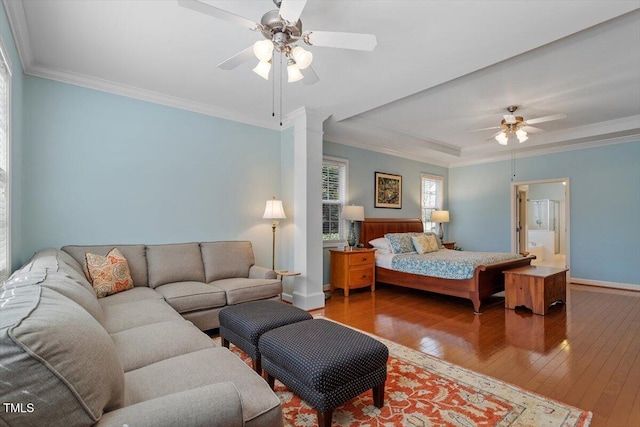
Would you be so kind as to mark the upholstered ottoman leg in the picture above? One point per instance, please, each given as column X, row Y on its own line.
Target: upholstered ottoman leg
column 324, row 418
column 225, row 342
column 378, row 395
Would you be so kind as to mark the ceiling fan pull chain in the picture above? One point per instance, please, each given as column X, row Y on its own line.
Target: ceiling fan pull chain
column 273, row 90
column 280, row 90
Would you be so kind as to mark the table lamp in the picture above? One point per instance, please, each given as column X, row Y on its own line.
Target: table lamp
column 352, row 213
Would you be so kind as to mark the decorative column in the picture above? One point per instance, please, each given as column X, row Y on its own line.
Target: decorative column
column 307, row 194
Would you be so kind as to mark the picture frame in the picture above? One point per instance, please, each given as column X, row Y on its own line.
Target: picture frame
column 388, row 191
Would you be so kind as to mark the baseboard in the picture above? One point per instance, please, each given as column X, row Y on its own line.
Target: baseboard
column 326, row 287
column 601, row 284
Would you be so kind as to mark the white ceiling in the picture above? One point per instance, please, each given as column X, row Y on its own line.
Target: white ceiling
column 440, row 70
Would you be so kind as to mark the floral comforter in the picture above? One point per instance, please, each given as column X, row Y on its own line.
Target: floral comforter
column 448, row 264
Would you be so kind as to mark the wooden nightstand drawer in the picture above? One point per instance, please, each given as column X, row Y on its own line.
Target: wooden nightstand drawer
column 363, row 258
column 353, row 269
column 360, row 277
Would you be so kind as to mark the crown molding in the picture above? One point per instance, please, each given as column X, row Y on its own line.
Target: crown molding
column 20, row 31
column 147, row 95
column 388, row 151
column 601, row 142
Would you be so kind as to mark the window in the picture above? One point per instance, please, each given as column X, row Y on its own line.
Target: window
column 334, row 182
column 5, row 91
column 431, row 199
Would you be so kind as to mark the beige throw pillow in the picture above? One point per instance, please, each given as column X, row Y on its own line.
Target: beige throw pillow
column 108, row 274
column 425, row 243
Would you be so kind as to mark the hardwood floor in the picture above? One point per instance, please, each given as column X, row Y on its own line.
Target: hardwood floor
column 585, row 353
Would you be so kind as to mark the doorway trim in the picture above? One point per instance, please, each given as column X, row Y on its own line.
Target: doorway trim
column 567, row 212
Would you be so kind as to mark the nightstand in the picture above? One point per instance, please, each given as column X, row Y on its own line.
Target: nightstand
column 449, row 245
column 352, row 269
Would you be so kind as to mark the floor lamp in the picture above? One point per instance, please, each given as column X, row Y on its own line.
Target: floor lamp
column 274, row 211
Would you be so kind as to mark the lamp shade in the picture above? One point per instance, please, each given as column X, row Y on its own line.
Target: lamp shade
column 274, row 210
column 353, row 213
column 440, row 216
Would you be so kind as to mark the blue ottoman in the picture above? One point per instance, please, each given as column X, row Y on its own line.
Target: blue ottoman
column 243, row 324
column 324, row 363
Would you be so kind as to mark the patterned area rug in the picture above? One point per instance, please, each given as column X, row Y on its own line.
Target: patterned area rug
column 422, row 390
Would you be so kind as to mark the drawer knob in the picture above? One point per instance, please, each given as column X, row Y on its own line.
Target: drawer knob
column 364, row 259
column 364, row 276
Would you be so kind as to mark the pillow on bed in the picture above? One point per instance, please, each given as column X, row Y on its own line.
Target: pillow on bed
column 381, row 244
column 400, row 242
column 425, row 243
column 431, row 233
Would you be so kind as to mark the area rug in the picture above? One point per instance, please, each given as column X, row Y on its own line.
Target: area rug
column 422, row 390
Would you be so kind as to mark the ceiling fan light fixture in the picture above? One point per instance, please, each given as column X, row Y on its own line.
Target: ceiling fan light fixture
column 522, row 135
column 293, row 72
column 302, row 57
column 262, row 69
column 502, row 138
column 263, row 50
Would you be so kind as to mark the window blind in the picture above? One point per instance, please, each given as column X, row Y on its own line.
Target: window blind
column 4, row 174
column 333, row 198
column 431, row 199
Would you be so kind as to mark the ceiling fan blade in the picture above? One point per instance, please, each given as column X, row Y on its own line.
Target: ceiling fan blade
column 546, row 119
column 207, row 9
column 531, row 129
column 310, row 76
column 492, row 127
column 237, row 59
column 355, row 41
column 291, row 10
column 493, row 137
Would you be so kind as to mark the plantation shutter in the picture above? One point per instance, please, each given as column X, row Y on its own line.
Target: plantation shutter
column 4, row 176
column 431, row 199
column 333, row 198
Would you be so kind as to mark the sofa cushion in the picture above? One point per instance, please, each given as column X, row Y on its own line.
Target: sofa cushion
column 225, row 260
column 86, row 299
column 135, row 255
column 119, row 317
column 144, row 345
column 261, row 407
column 174, row 263
column 242, row 290
column 56, row 356
column 136, row 293
column 109, row 274
column 191, row 296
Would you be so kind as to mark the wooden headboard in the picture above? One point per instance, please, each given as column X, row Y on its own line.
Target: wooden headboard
column 372, row 228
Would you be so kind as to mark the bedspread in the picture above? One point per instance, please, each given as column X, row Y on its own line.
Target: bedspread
column 448, row 264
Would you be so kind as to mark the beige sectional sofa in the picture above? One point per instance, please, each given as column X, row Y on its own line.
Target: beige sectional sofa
column 133, row 358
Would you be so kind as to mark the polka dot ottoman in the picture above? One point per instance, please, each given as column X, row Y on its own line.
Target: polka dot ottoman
column 324, row 363
column 243, row 324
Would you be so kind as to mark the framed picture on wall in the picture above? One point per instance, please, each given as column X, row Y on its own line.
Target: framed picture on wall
column 388, row 191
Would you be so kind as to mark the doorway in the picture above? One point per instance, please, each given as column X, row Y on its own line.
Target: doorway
column 540, row 221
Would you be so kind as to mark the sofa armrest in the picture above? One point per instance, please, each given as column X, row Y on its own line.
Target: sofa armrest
column 257, row 272
column 212, row 405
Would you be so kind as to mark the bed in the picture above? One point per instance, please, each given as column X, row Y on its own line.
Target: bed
column 486, row 280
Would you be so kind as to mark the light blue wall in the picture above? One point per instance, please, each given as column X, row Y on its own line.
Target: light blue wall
column 604, row 203
column 17, row 140
column 363, row 164
column 108, row 169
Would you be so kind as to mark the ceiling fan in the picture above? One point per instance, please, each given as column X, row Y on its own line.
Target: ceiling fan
column 516, row 125
column 282, row 30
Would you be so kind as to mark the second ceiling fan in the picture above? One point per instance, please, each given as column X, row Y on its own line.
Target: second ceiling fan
column 282, row 31
column 512, row 125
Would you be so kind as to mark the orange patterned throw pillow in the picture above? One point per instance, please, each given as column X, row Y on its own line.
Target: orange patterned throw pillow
column 108, row 274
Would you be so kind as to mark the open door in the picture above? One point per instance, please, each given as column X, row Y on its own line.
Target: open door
column 540, row 221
